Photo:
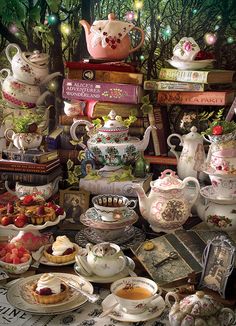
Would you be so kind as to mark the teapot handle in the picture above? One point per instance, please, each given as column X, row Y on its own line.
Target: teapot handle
column 7, row 134
column 172, row 147
column 141, row 42
column 231, row 317
column 173, row 295
column 8, row 71
column 11, row 45
column 73, row 127
column 124, row 262
column 206, row 139
column 197, row 188
column 9, row 189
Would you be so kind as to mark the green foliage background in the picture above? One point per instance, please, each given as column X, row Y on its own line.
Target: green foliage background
column 164, row 23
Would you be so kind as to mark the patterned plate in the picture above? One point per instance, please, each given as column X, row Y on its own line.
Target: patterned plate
column 89, row 235
column 93, row 219
column 19, row 296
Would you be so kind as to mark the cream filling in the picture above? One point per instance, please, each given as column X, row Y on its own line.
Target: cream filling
column 49, row 280
column 61, row 244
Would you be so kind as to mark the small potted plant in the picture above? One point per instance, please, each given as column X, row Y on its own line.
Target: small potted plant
column 26, row 131
column 220, row 130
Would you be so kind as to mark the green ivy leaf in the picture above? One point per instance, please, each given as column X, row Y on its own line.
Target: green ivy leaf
column 69, row 164
column 146, row 108
column 34, row 13
column 77, row 170
column 54, row 5
column 145, row 99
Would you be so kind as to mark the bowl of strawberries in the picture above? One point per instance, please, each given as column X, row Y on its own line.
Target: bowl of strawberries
column 14, row 259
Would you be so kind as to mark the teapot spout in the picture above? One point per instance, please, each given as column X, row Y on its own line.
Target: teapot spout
column 142, row 199
column 86, row 26
column 143, row 144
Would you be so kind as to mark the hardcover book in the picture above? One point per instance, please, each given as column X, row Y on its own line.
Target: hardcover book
column 30, row 178
column 160, row 85
column 73, row 89
column 196, row 98
column 188, row 244
column 33, row 156
column 106, row 76
column 95, row 109
column 155, row 85
column 124, row 188
column 107, row 66
column 197, row 76
column 8, row 165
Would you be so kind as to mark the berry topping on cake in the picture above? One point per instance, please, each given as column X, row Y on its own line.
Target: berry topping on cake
column 10, row 208
column 41, row 210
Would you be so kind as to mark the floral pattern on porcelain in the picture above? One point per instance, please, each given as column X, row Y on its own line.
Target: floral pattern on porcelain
column 219, row 221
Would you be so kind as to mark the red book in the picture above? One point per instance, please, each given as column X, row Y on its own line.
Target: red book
column 108, row 66
column 73, row 89
column 196, row 98
column 8, row 165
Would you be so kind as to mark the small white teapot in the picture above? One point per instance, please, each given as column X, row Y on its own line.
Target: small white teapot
column 192, row 158
column 104, row 259
column 198, row 309
column 24, row 140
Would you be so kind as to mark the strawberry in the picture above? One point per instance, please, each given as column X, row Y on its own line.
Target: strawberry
column 217, row 130
column 28, row 199
column 45, row 291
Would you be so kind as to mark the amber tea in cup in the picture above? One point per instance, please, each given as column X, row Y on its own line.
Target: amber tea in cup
column 137, row 293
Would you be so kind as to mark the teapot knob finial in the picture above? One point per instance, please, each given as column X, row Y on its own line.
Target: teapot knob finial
column 200, row 294
column 112, row 16
column 193, row 129
column 112, row 115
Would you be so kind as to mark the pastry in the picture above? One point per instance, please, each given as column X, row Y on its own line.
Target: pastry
column 61, row 251
column 49, row 289
column 30, row 201
column 40, row 214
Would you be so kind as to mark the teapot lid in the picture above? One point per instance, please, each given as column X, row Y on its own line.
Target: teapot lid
column 168, row 180
column 39, row 58
column 193, row 134
column 199, row 304
column 113, row 124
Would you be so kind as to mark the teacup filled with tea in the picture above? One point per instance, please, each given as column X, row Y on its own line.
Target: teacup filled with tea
column 112, row 207
column 134, row 294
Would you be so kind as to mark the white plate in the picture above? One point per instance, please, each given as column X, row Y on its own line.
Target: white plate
column 19, row 296
column 208, row 192
column 28, row 227
column 154, row 310
column 44, row 260
column 190, row 65
column 99, row 279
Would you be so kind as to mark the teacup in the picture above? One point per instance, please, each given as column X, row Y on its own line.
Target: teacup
column 186, row 49
column 224, row 186
column 224, row 160
column 74, row 108
column 112, row 207
column 134, row 294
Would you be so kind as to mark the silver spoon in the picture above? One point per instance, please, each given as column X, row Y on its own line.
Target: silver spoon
column 109, row 310
column 91, row 297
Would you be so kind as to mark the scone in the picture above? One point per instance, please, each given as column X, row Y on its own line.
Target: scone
column 38, row 215
column 61, row 251
column 49, row 289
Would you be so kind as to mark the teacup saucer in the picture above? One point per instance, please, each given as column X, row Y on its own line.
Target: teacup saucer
column 154, row 310
column 93, row 219
column 209, row 193
column 99, row 279
column 190, row 65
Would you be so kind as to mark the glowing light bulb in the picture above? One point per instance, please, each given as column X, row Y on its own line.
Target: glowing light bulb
column 65, row 29
column 210, row 38
column 52, row 86
column 13, row 29
column 129, row 16
column 158, row 17
column 52, row 19
column 141, row 57
column 194, row 11
column 230, row 40
column 138, row 5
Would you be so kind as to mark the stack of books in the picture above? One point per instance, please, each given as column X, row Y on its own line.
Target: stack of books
column 103, row 87
column 182, row 92
column 32, row 167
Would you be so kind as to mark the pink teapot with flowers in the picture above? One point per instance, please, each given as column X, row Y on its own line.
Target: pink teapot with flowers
column 109, row 39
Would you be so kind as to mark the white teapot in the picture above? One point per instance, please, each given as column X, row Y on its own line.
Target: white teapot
column 168, row 206
column 30, row 68
column 104, row 259
column 198, row 309
column 192, row 158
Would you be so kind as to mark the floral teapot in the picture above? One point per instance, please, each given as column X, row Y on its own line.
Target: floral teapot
column 198, row 309
column 109, row 39
column 110, row 145
column 104, row 259
column 30, row 68
column 192, row 158
column 167, row 207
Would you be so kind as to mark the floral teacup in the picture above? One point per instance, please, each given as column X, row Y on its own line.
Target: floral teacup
column 186, row 49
